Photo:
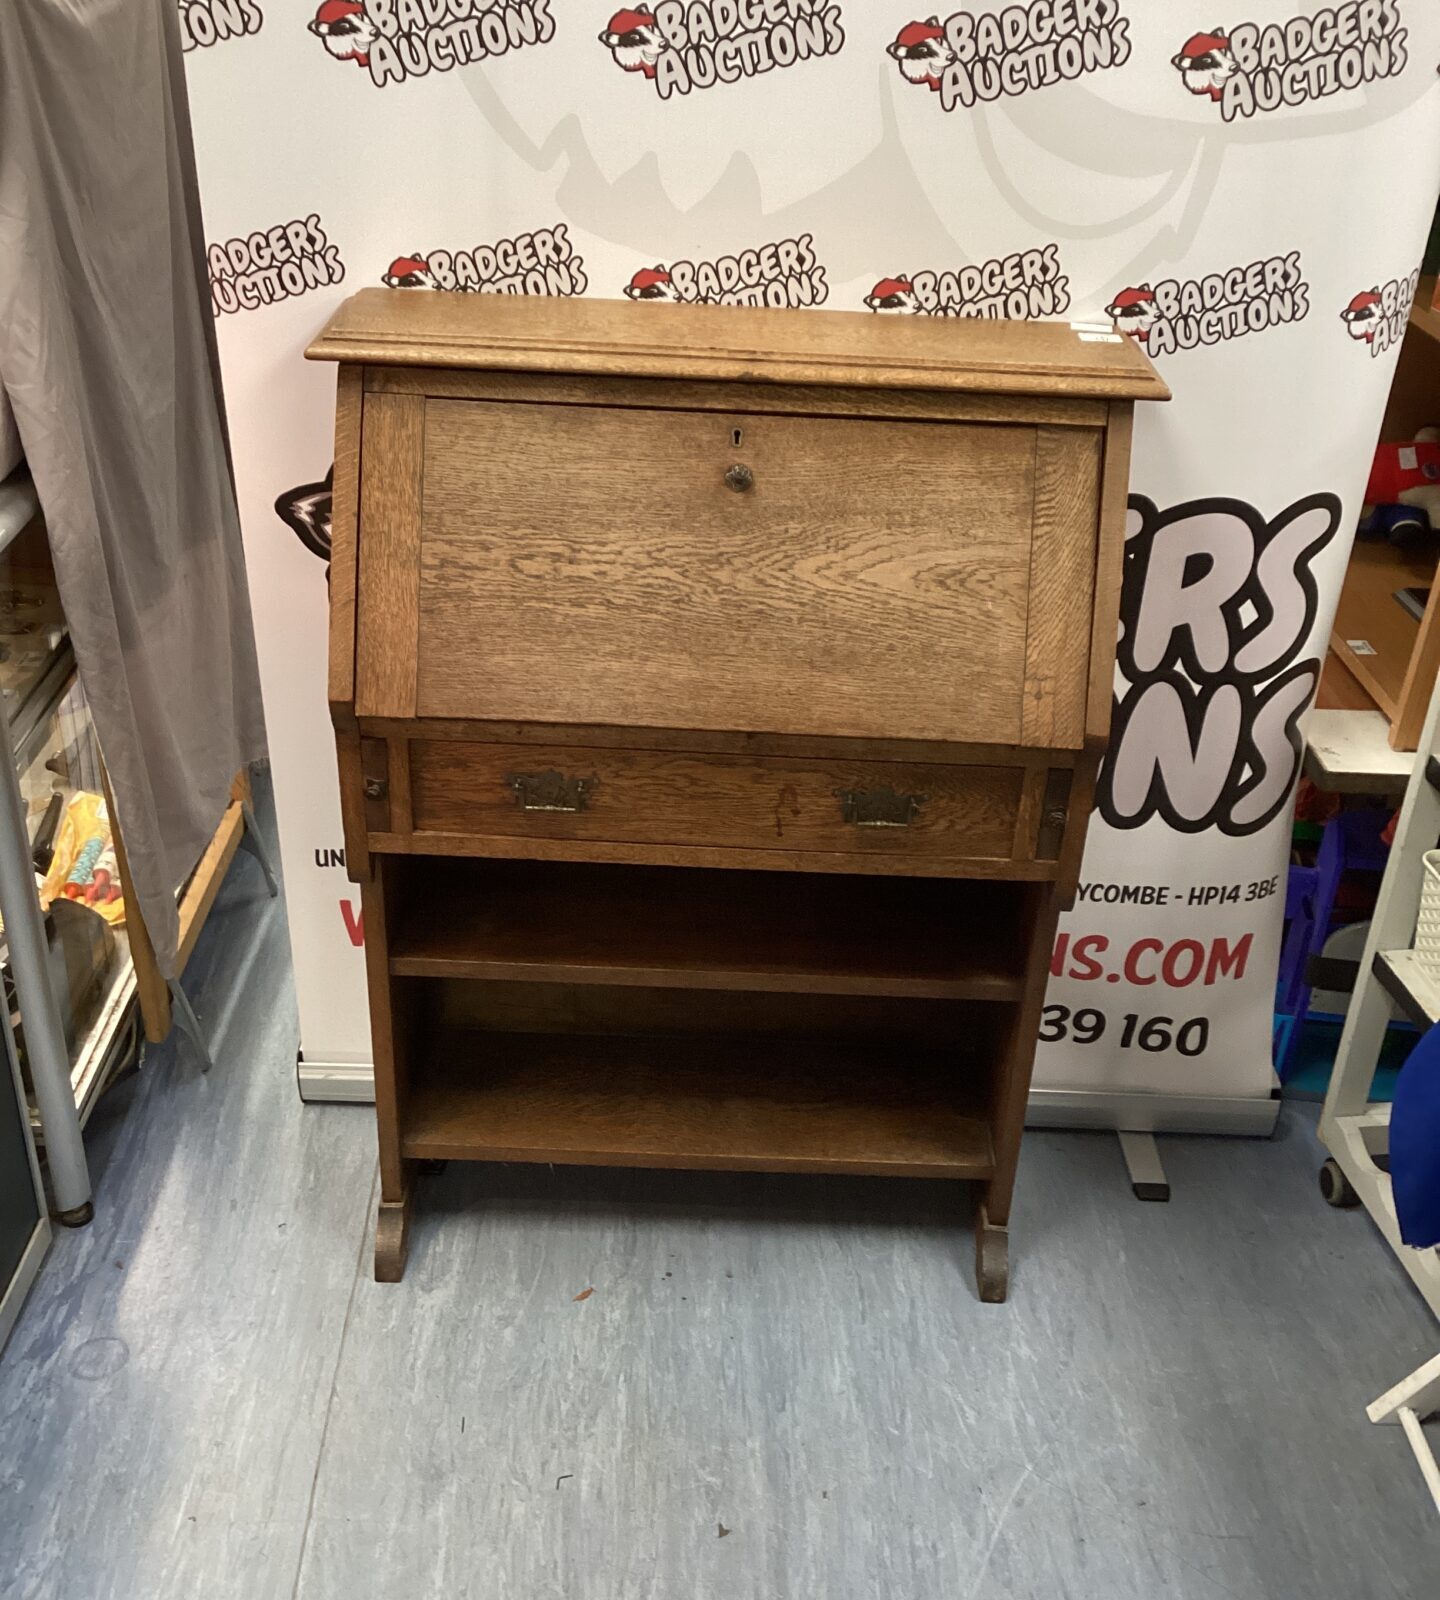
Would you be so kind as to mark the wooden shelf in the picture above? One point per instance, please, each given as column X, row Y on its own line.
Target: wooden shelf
column 664, row 927
column 731, row 1103
column 1368, row 611
column 1399, row 655
column 1341, row 690
column 1348, row 752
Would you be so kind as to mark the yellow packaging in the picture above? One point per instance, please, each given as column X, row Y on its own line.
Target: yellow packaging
column 84, row 866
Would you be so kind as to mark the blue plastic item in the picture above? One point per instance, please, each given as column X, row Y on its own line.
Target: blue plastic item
column 1349, row 843
column 1395, row 523
column 1415, row 1144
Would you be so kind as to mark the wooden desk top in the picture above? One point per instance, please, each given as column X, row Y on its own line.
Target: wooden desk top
column 518, row 333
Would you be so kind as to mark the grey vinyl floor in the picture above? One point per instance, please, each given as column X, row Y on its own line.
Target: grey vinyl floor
column 780, row 1389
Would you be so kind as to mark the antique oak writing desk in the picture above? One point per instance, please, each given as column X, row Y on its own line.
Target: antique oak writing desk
column 718, row 696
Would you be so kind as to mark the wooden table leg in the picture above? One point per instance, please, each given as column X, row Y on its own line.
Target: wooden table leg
column 392, row 1235
column 992, row 1257
column 152, row 990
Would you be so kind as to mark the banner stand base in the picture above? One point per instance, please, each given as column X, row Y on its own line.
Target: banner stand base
column 1137, row 1116
column 1143, row 1163
column 1145, row 1111
column 338, row 1082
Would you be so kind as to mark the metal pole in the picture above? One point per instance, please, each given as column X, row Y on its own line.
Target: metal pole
column 45, row 1050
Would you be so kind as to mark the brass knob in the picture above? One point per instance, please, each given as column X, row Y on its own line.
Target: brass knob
column 739, row 478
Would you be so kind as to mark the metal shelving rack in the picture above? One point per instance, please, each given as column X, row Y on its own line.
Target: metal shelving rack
column 1354, row 1128
column 24, row 1220
column 65, row 1079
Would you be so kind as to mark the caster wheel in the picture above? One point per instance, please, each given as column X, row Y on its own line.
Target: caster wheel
column 1337, row 1188
column 78, row 1218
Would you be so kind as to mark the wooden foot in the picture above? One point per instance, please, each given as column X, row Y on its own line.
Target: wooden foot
column 992, row 1258
column 392, row 1238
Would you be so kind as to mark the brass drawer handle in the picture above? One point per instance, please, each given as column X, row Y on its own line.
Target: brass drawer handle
column 879, row 808
column 551, row 790
column 740, row 478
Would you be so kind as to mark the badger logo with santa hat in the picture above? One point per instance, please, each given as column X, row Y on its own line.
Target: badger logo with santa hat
column 1253, row 67
column 1206, row 63
column 922, row 52
column 396, row 40
column 1379, row 317
column 1364, row 315
column 635, row 41
column 651, row 283
column 345, row 29
column 975, row 56
column 409, row 272
column 893, row 297
column 683, row 45
column 1134, row 311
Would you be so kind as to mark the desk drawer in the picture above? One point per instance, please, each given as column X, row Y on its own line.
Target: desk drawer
column 647, row 797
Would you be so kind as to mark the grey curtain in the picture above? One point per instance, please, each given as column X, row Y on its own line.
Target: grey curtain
column 107, row 354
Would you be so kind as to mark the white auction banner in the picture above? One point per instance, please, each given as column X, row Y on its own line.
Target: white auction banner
column 1249, row 200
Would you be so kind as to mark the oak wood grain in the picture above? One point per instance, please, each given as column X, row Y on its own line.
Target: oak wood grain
column 391, row 1033
column 1340, row 689
column 1027, row 813
column 387, row 604
column 517, row 848
column 526, row 333
column 151, row 989
column 352, row 802
column 583, row 565
column 398, row 764
column 650, row 394
column 721, row 1103
column 660, row 797
column 375, row 780
column 502, row 1006
column 658, row 927
column 344, row 544
column 1062, row 579
column 198, row 895
column 1369, row 614
column 1080, row 800
column 718, row 741
column 1015, row 1058
column 911, row 588
column 1420, row 673
column 1109, row 567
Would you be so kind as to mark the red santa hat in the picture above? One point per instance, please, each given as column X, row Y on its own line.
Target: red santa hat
column 1201, row 44
column 914, row 33
column 628, row 21
column 648, row 277
column 1366, row 300
column 401, row 266
column 890, row 286
column 1130, row 299
column 337, row 10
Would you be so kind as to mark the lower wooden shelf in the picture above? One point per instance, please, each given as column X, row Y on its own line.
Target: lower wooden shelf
column 760, row 1104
